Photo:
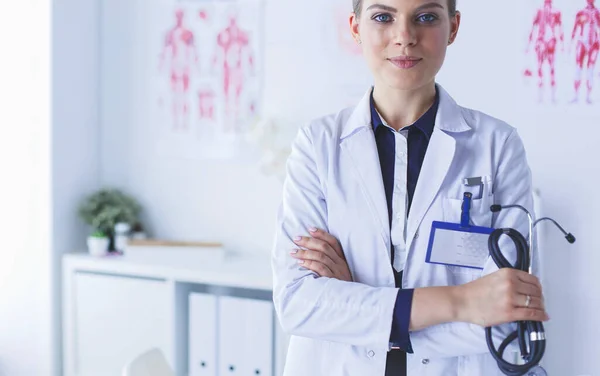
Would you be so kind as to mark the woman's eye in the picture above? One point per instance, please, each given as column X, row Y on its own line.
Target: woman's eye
column 427, row 18
column 384, row 18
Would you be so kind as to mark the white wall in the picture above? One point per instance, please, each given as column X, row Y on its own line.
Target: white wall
column 75, row 134
column 25, row 222
column 183, row 199
column 233, row 203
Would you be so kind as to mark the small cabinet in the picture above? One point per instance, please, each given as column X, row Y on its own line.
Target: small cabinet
column 116, row 318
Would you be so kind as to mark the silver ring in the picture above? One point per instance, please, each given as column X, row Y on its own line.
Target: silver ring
column 527, row 301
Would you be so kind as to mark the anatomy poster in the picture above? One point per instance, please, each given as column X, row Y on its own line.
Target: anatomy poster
column 209, row 76
column 562, row 43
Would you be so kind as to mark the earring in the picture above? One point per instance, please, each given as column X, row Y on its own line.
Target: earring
column 359, row 41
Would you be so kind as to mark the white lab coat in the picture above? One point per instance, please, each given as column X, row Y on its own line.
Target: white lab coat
column 334, row 182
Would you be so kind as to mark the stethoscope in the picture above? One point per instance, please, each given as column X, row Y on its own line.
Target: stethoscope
column 530, row 334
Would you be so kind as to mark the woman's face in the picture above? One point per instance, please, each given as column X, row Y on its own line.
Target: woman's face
column 404, row 41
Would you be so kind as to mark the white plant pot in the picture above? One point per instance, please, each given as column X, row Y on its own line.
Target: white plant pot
column 98, row 246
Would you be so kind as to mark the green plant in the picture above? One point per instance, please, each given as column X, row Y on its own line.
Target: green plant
column 107, row 207
column 98, row 234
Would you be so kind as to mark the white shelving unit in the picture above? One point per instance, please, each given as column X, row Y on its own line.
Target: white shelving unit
column 202, row 309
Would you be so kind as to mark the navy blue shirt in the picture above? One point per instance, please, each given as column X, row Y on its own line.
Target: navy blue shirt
column 419, row 135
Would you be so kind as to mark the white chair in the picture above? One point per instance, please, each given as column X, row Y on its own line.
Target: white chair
column 150, row 363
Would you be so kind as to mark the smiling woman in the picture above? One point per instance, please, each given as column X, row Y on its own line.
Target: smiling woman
column 353, row 283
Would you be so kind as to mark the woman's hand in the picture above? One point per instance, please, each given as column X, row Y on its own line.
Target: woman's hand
column 502, row 297
column 323, row 254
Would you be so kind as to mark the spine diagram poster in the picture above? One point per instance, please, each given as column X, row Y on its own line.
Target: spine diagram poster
column 563, row 43
column 209, row 76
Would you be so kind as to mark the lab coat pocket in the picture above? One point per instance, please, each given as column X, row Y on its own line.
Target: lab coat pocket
column 452, row 199
column 480, row 213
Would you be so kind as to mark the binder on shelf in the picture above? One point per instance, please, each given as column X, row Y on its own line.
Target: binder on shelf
column 202, row 335
column 245, row 336
column 259, row 338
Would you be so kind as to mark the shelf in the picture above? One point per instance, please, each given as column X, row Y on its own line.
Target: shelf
column 212, row 267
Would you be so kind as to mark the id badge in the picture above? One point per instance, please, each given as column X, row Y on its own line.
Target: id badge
column 459, row 244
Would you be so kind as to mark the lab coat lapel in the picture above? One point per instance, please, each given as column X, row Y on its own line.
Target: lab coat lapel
column 436, row 164
column 359, row 147
column 438, row 160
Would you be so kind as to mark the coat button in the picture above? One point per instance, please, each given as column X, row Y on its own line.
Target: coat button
column 371, row 354
column 425, row 361
column 417, row 234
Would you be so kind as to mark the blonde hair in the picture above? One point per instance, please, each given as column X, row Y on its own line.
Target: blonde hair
column 357, row 7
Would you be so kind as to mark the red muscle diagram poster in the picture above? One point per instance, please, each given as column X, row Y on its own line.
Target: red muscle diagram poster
column 209, row 73
column 563, row 43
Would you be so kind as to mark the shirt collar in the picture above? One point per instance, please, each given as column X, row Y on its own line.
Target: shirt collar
column 425, row 123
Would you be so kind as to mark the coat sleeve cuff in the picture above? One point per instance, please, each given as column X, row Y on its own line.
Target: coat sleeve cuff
column 399, row 336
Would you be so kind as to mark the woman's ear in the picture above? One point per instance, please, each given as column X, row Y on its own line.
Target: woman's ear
column 354, row 29
column 454, row 26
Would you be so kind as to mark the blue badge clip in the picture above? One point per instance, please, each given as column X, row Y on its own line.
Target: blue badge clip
column 465, row 218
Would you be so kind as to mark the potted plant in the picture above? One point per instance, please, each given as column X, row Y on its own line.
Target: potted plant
column 98, row 243
column 103, row 209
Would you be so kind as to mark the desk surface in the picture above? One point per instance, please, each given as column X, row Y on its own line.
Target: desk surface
column 211, row 266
